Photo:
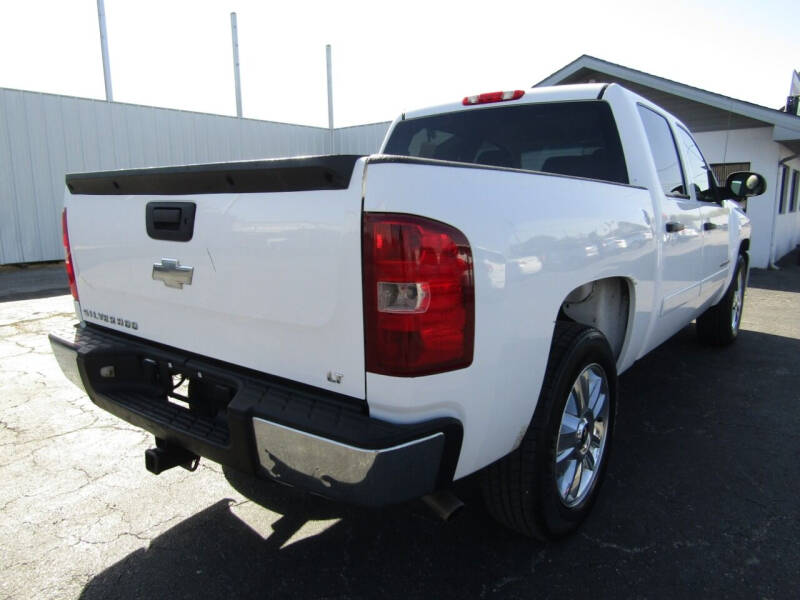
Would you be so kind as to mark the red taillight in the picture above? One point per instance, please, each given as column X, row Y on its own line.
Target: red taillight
column 68, row 256
column 419, row 296
column 493, row 97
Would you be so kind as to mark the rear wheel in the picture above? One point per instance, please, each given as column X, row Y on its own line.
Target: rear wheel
column 546, row 487
column 719, row 325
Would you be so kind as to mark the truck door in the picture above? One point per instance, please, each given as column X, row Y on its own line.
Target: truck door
column 715, row 217
column 681, row 231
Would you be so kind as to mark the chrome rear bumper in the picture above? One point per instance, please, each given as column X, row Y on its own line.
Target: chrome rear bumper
column 332, row 468
column 287, row 432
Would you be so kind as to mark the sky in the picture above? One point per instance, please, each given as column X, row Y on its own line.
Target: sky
column 388, row 57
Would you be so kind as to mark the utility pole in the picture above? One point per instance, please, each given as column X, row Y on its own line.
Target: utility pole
column 101, row 18
column 235, row 38
column 330, row 95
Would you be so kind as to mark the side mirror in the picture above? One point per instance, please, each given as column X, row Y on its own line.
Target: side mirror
column 744, row 184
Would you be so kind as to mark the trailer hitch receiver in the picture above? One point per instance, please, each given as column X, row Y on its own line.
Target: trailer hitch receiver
column 165, row 456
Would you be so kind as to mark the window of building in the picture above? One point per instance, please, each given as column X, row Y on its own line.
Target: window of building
column 783, row 190
column 665, row 152
column 699, row 176
column 724, row 170
column 793, row 192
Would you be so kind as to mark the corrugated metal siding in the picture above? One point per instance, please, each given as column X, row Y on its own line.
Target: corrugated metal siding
column 361, row 139
column 45, row 136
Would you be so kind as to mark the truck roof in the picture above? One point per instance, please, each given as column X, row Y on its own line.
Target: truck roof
column 557, row 93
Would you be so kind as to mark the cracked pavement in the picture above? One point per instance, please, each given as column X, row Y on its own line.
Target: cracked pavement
column 701, row 495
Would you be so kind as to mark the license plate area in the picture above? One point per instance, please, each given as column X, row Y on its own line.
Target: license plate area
column 190, row 389
column 173, row 392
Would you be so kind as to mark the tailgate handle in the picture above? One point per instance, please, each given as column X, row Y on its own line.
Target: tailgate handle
column 171, row 221
column 166, row 218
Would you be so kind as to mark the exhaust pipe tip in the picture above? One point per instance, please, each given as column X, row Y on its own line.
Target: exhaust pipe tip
column 444, row 503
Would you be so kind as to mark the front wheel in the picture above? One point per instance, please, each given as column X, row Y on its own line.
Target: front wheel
column 546, row 487
column 719, row 325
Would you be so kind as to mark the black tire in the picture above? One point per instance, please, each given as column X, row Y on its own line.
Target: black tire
column 520, row 490
column 718, row 326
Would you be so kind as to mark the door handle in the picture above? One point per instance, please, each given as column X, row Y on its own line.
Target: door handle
column 675, row 226
column 708, row 226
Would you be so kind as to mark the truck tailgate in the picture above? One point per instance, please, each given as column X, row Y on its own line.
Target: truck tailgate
column 270, row 278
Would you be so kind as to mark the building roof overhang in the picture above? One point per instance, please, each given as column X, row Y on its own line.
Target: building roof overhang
column 699, row 109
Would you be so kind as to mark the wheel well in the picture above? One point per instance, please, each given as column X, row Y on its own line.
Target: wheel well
column 603, row 304
column 744, row 248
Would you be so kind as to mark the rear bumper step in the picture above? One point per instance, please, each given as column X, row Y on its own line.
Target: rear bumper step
column 291, row 433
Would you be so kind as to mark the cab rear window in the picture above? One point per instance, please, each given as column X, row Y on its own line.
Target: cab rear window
column 567, row 138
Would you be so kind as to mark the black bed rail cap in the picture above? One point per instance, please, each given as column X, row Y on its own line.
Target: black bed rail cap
column 302, row 173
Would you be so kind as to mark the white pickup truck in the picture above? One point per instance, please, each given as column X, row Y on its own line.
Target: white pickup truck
column 372, row 328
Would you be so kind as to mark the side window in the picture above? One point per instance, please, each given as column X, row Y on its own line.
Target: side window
column 782, row 197
column 697, row 172
column 665, row 153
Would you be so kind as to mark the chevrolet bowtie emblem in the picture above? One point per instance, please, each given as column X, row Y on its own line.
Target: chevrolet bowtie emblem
column 172, row 274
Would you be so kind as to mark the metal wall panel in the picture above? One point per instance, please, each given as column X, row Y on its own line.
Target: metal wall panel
column 45, row 136
column 361, row 139
column 9, row 220
column 27, row 213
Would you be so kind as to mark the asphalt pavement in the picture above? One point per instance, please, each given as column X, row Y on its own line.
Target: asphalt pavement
column 701, row 498
column 25, row 282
